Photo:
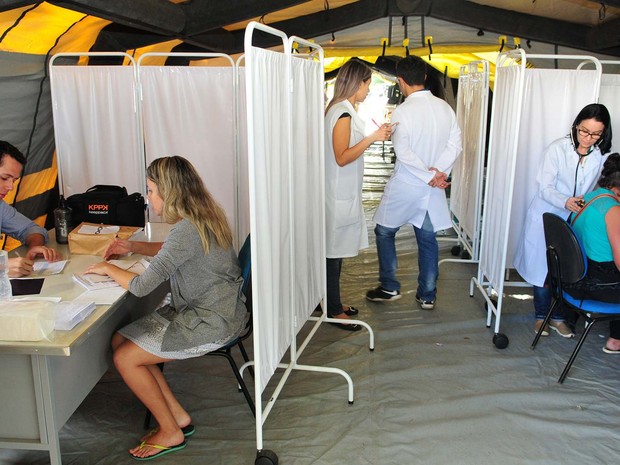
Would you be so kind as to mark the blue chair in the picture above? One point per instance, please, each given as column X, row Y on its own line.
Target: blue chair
column 567, row 265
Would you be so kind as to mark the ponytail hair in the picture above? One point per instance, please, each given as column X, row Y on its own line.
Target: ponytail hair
column 350, row 77
column 610, row 176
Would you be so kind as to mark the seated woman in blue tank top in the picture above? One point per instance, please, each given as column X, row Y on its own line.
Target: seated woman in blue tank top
column 598, row 228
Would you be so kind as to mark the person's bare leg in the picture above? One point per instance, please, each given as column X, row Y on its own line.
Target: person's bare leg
column 182, row 417
column 117, row 340
column 132, row 363
column 180, row 414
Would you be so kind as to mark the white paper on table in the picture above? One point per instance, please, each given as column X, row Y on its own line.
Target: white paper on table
column 93, row 281
column 101, row 296
column 45, row 268
column 70, row 313
column 138, row 266
column 89, row 229
column 35, row 298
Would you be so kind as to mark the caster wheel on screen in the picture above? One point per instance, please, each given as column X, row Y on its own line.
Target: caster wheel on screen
column 266, row 457
column 500, row 341
column 456, row 250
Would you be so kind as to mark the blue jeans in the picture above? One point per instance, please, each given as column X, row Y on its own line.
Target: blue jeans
column 428, row 259
column 542, row 304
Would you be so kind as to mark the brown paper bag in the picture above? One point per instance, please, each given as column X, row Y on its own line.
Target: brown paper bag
column 96, row 244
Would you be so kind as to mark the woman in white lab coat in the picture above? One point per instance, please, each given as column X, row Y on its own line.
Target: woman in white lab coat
column 345, row 143
column 570, row 167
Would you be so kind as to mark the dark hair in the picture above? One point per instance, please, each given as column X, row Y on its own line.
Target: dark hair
column 11, row 151
column 600, row 113
column 610, row 176
column 412, row 70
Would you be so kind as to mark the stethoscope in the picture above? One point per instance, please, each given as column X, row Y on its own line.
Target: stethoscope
column 581, row 156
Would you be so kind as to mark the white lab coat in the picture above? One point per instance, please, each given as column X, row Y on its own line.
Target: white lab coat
column 427, row 136
column 556, row 182
column 345, row 223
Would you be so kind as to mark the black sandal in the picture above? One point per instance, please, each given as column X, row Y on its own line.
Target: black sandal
column 352, row 311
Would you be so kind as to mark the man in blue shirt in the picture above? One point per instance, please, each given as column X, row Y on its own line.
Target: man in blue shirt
column 14, row 223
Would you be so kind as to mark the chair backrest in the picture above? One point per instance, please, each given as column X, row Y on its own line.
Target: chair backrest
column 566, row 258
column 245, row 261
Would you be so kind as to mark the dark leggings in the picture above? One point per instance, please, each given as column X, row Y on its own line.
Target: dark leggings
column 334, row 305
column 602, row 283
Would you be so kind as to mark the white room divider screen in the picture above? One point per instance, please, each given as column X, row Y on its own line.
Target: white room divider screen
column 531, row 108
column 284, row 98
column 96, row 126
column 468, row 170
column 191, row 111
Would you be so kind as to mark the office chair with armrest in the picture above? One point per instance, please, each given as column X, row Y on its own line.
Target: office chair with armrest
column 567, row 265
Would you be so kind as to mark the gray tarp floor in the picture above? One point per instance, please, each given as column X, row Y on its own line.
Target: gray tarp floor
column 434, row 391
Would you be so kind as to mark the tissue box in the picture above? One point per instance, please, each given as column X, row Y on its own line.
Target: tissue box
column 26, row 321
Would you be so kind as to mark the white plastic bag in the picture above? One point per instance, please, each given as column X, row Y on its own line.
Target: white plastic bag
column 26, row 321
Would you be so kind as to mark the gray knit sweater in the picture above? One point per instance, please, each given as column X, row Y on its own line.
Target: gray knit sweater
column 207, row 303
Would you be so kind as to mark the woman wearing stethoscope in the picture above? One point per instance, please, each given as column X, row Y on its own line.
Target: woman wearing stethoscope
column 570, row 168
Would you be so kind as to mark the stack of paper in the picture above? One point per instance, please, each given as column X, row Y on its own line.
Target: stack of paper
column 94, row 282
column 101, row 296
column 69, row 314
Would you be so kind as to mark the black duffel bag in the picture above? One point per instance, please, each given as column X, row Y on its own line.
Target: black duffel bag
column 107, row 205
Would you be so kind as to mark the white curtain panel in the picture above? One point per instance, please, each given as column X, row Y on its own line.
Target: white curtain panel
column 97, row 140
column 466, row 173
column 551, row 101
column 308, row 188
column 189, row 111
column 270, row 201
column 610, row 97
column 243, row 195
column 500, row 167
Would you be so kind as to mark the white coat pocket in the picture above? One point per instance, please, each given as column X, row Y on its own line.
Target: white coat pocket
column 347, row 212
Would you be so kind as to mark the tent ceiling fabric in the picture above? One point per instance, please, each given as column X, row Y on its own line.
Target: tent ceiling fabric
column 218, row 26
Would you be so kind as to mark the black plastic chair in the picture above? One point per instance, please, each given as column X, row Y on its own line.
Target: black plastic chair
column 225, row 351
column 567, row 265
column 246, row 269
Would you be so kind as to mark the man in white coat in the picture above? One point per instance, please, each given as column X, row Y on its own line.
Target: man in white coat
column 426, row 141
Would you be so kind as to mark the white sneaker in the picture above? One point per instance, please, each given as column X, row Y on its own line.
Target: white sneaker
column 425, row 304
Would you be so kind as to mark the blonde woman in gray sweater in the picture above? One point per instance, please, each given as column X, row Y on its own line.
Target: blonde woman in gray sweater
column 206, row 309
